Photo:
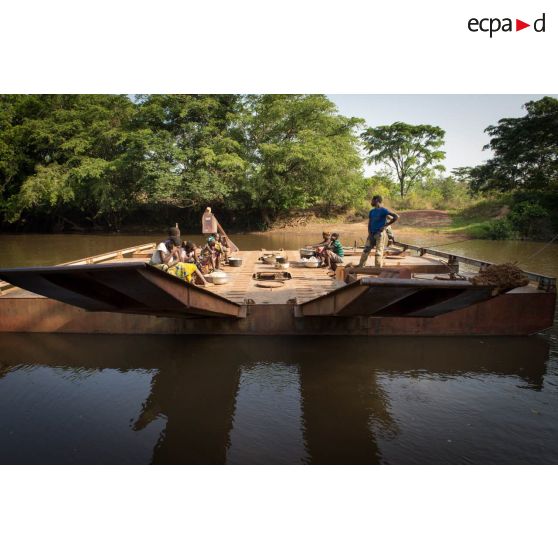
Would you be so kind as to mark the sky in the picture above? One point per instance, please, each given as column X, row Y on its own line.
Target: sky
column 463, row 117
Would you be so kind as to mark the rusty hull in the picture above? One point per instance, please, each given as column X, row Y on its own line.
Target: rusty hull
column 515, row 313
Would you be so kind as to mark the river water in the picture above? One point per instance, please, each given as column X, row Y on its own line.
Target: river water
column 180, row 399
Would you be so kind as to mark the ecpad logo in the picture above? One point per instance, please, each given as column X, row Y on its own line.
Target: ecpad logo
column 494, row 24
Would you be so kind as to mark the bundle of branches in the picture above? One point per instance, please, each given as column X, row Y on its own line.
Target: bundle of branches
column 503, row 277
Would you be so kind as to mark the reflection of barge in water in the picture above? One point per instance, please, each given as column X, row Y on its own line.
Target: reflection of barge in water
column 120, row 292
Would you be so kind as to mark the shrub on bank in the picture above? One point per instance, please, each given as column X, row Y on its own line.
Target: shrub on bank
column 530, row 220
column 500, row 229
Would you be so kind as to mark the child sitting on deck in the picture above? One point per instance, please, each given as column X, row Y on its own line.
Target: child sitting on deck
column 210, row 256
column 188, row 253
column 320, row 248
column 222, row 245
column 333, row 252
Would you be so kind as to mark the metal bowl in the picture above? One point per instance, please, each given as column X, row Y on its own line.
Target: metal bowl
column 235, row 262
column 219, row 277
column 311, row 264
column 307, row 252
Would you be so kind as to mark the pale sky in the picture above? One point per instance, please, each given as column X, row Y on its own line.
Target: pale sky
column 463, row 117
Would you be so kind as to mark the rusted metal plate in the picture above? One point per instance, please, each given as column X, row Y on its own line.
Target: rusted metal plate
column 136, row 288
column 396, row 297
column 545, row 282
column 523, row 313
column 416, row 268
column 456, row 301
column 272, row 276
column 143, row 250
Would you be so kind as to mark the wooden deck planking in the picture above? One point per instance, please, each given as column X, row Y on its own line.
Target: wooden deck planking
column 306, row 283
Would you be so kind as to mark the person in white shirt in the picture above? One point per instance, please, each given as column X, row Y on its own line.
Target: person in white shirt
column 167, row 253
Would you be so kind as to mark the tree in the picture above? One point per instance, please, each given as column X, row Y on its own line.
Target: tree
column 411, row 151
column 199, row 145
column 75, row 152
column 99, row 158
column 525, row 151
column 302, row 153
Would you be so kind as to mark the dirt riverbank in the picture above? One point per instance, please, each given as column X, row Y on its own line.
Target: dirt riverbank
column 415, row 222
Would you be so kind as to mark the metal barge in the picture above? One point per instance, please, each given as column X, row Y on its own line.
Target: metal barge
column 417, row 293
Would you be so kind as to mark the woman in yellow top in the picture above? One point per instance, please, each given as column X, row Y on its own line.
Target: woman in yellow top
column 186, row 269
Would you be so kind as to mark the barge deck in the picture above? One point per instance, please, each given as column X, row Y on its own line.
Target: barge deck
column 417, row 294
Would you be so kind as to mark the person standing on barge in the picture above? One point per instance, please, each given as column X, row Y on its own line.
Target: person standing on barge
column 377, row 236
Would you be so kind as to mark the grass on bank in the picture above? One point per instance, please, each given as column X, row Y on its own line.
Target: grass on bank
column 477, row 220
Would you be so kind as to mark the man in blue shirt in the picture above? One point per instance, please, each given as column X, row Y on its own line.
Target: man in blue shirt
column 377, row 236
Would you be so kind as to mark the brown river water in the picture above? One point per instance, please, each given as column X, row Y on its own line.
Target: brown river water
column 201, row 399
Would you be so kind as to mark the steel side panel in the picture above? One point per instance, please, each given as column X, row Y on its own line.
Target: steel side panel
column 126, row 288
column 195, row 299
column 39, row 284
column 373, row 300
column 508, row 314
column 461, row 300
column 334, row 302
column 387, row 296
column 133, row 285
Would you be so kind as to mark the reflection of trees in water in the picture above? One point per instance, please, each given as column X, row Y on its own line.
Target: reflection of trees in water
column 340, row 402
column 342, row 398
column 198, row 405
column 344, row 403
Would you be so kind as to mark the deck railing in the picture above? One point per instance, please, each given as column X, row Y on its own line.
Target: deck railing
column 115, row 254
column 544, row 282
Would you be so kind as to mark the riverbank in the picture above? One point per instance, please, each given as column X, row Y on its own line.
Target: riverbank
column 416, row 223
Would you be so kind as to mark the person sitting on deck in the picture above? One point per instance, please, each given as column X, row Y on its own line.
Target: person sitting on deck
column 333, row 252
column 223, row 243
column 167, row 257
column 210, row 256
column 326, row 240
column 166, row 254
column 188, row 253
column 377, row 236
column 188, row 272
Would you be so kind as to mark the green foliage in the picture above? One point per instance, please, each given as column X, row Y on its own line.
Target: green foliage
column 525, row 151
column 500, row 229
column 435, row 192
column 102, row 156
column 302, row 153
column 519, row 215
column 411, row 151
column 196, row 153
column 69, row 152
column 529, row 219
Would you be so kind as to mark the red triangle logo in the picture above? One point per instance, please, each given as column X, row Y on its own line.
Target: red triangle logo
column 519, row 25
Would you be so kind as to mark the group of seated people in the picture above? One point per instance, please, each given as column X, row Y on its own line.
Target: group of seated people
column 185, row 260
column 330, row 251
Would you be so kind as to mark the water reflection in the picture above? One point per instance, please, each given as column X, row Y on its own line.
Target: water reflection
column 167, row 399
column 267, row 419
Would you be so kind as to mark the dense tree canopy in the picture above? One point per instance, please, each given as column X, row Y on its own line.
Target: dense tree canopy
column 525, row 151
column 411, row 151
column 301, row 153
column 98, row 157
